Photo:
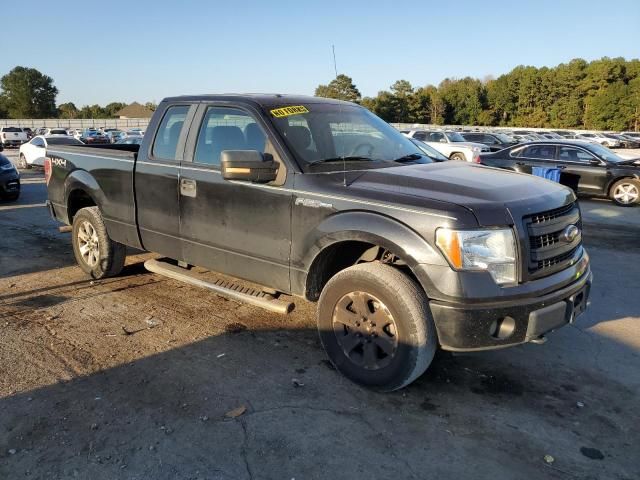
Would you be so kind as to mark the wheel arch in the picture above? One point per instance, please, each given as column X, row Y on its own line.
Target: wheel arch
column 82, row 190
column 363, row 237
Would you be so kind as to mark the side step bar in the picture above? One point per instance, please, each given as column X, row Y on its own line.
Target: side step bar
column 226, row 289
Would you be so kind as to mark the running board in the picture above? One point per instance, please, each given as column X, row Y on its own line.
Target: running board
column 230, row 290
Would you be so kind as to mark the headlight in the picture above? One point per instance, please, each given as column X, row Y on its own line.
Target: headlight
column 7, row 166
column 493, row 251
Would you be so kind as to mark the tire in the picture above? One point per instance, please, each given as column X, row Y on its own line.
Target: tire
column 626, row 192
column 458, row 156
column 404, row 326
column 12, row 197
column 22, row 163
column 103, row 257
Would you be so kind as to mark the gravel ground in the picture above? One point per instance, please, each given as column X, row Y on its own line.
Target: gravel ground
column 140, row 377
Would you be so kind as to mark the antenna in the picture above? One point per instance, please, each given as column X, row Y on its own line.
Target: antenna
column 335, row 68
column 344, row 163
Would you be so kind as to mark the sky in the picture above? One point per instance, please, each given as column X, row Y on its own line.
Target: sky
column 144, row 50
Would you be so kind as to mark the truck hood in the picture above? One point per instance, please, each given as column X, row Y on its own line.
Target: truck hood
column 494, row 196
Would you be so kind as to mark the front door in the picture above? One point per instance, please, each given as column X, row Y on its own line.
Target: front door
column 237, row 228
column 579, row 171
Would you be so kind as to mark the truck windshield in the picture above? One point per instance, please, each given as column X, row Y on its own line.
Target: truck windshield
column 455, row 137
column 341, row 136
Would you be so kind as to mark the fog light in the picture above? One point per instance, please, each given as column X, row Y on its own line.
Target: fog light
column 503, row 328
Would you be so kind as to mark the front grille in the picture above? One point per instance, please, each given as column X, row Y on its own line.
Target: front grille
column 548, row 250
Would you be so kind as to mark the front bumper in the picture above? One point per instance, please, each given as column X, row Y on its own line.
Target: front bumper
column 512, row 322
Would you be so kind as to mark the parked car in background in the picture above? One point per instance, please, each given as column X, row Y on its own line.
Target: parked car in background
column 75, row 133
column 93, row 137
column 624, row 141
column 631, row 134
column 130, row 140
column 451, row 144
column 563, row 133
column 601, row 138
column 12, row 137
column 28, row 131
column 9, row 180
column 40, row 131
column 629, row 142
column 50, row 132
column 34, row 152
column 589, row 169
column 114, row 135
column 429, row 151
column 495, row 141
column 134, row 133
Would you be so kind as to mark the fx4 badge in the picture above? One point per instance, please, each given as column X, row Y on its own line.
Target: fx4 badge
column 59, row 162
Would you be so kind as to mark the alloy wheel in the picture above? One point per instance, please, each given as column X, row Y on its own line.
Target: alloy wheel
column 365, row 330
column 626, row 193
column 88, row 244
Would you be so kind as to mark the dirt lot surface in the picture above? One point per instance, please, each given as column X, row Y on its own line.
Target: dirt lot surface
column 140, row 377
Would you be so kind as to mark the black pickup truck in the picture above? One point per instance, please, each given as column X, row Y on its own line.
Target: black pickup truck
column 321, row 199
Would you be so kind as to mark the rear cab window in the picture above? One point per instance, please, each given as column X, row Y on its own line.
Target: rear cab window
column 165, row 143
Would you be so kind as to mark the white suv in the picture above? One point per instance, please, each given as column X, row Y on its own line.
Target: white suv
column 451, row 144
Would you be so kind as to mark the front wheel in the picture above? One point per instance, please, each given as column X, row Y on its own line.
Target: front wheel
column 375, row 325
column 626, row 192
column 96, row 254
column 457, row 156
column 22, row 163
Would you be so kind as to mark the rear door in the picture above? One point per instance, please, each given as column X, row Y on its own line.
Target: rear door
column 238, row 228
column 534, row 156
column 156, row 183
column 579, row 173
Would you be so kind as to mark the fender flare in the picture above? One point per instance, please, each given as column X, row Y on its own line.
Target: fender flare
column 84, row 181
column 376, row 229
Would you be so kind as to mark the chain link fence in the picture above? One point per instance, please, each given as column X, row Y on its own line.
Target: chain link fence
column 78, row 123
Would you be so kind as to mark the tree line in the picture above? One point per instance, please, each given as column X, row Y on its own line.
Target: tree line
column 28, row 93
column 600, row 95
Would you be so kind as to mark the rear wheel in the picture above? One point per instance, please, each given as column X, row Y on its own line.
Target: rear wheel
column 457, row 156
column 22, row 163
column 375, row 325
column 626, row 192
column 95, row 252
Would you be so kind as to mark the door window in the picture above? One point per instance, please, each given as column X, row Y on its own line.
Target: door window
column 225, row 128
column 420, row 135
column 165, row 145
column 489, row 140
column 570, row 154
column 435, row 136
column 543, row 152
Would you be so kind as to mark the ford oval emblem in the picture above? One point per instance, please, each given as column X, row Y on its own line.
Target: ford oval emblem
column 570, row 233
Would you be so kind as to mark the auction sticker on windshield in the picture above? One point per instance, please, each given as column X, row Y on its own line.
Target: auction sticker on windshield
column 291, row 110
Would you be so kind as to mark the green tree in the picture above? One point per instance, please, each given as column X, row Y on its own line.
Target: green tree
column 341, row 88
column 27, row 93
column 112, row 108
column 92, row 111
column 68, row 110
column 151, row 106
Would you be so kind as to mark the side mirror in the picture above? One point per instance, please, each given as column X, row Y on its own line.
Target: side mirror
column 595, row 162
column 248, row 166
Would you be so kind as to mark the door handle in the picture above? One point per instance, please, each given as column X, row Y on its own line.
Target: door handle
column 188, row 187
column 560, row 167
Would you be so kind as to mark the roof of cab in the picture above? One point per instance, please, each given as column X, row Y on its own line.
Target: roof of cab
column 262, row 99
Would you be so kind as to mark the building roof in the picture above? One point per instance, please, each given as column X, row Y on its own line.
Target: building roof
column 135, row 110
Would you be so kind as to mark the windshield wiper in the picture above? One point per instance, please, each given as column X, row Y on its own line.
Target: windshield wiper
column 409, row 158
column 340, row 159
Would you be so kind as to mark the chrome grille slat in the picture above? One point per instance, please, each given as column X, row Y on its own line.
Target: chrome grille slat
column 548, row 252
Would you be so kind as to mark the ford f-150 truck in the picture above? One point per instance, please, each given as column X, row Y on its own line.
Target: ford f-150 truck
column 321, row 199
